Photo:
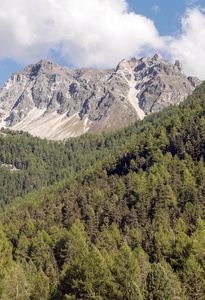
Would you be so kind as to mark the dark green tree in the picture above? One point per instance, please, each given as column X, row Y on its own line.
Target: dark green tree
column 6, row 261
column 21, row 252
column 158, row 285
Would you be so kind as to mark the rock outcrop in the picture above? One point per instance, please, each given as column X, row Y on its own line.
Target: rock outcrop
column 56, row 102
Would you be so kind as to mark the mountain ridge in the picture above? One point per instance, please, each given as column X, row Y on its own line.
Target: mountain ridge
column 56, row 102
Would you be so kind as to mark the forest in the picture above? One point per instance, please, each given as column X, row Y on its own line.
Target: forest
column 119, row 215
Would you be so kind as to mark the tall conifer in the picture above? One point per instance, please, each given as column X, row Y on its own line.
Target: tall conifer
column 158, row 285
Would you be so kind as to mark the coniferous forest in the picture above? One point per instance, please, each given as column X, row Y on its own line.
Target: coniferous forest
column 119, row 215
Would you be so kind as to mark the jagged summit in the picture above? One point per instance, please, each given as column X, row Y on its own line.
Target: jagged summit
column 133, row 63
column 45, row 66
column 56, row 102
column 157, row 56
column 179, row 66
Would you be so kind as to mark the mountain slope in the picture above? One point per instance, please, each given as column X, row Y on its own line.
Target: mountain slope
column 29, row 163
column 97, row 235
column 57, row 103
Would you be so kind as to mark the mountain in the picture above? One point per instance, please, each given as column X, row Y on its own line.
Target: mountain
column 28, row 163
column 56, row 102
column 130, row 227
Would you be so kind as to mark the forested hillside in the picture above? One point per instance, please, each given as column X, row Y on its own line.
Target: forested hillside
column 29, row 163
column 130, row 227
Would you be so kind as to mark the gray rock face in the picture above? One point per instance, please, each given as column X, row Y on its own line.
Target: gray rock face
column 161, row 84
column 56, row 102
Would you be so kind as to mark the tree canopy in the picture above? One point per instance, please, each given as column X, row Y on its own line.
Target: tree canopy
column 113, row 216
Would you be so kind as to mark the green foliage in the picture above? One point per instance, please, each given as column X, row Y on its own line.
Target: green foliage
column 158, row 285
column 16, row 285
column 133, row 292
column 94, row 235
column 22, row 248
column 6, row 261
column 125, row 269
column 40, row 163
column 40, row 289
column 85, row 274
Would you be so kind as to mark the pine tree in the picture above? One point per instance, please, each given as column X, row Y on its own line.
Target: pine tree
column 194, row 279
column 6, row 261
column 16, row 285
column 40, row 287
column 158, row 285
column 21, row 252
column 133, row 292
column 94, row 279
column 124, row 270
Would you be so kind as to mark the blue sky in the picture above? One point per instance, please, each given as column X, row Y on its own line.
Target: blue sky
column 164, row 13
column 100, row 33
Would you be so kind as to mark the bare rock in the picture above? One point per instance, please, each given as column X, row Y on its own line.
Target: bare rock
column 56, row 102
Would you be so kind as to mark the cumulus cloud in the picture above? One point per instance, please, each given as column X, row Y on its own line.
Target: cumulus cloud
column 95, row 33
column 189, row 45
column 85, row 33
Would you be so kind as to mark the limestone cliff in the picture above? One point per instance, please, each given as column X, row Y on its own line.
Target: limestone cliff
column 56, row 102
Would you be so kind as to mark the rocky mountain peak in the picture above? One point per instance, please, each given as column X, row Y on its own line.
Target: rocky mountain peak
column 43, row 66
column 56, row 102
column 124, row 64
column 179, row 66
column 157, row 56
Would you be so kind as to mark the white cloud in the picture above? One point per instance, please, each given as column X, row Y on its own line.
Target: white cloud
column 97, row 33
column 189, row 45
column 85, row 33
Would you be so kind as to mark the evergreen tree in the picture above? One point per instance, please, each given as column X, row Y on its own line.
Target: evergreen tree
column 93, row 277
column 124, row 270
column 133, row 292
column 6, row 261
column 158, row 285
column 40, row 287
column 21, row 252
column 194, row 279
column 16, row 285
